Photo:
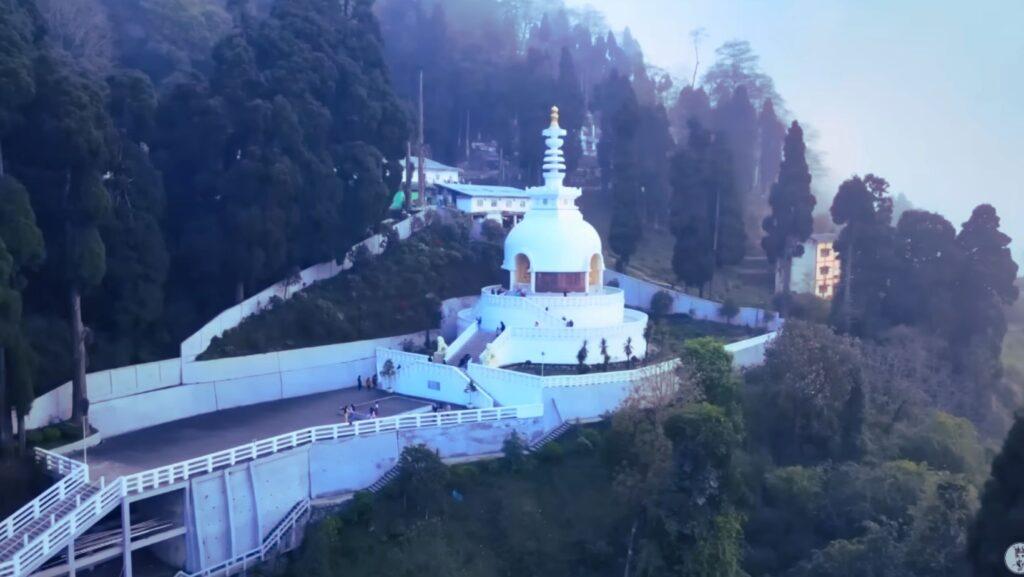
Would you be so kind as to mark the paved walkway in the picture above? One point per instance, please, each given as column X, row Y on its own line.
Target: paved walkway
column 197, row 436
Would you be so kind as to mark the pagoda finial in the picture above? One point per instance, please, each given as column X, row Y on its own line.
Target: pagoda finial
column 554, row 116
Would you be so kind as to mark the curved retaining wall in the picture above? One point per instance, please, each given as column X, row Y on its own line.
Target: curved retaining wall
column 639, row 293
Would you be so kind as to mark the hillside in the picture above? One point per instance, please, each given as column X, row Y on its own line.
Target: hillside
column 396, row 293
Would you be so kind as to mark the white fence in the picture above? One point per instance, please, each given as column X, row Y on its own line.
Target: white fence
column 74, row 475
column 639, row 294
column 244, row 561
column 56, row 537
column 170, row 474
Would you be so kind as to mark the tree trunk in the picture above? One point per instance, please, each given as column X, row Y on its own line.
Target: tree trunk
column 78, row 392
column 239, row 292
column 6, row 432
column 629, row 551
column 421, row 173
column 22, row 436
column 407, row 172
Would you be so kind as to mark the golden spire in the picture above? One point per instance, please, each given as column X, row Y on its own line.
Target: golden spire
column 554, row 116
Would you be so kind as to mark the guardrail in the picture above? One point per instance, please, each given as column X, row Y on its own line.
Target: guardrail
column 75, row 474
column 483, row 374
column 161, row 476
column 259, row 554
column 54, row 539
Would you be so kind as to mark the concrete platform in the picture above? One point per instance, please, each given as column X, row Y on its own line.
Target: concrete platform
column 203, row 434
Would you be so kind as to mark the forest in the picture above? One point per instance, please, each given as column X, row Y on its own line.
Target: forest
column 162, row 159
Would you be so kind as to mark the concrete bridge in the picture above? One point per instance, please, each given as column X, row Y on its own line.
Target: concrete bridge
column 217, row 493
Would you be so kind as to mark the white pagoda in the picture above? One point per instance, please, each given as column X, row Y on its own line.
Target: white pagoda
column 555, row 300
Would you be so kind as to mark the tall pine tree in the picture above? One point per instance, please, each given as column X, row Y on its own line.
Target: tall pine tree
column 626, row 228
column 791, row 221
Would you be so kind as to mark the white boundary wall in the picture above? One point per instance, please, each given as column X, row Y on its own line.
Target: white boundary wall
column 298, row 370
column 103, row 386
column 639, row 293
column 195, row 344
column 750, row 352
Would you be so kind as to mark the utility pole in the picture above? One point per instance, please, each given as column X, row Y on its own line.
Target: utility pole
column 407, row 176
column 420, row 173
column 467, row 135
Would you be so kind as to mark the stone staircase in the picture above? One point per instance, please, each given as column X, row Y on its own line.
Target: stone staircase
column 551, row 436
column 384, row 480
column 46, row 519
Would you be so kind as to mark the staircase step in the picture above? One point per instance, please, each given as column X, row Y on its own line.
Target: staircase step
column 56, row 512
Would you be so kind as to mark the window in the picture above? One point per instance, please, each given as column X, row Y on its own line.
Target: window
column 522, row 204
column 545, row 201
column 826, row 252
column 434, row 385
column 823, row 289
column 824, row 271
column 494, row 203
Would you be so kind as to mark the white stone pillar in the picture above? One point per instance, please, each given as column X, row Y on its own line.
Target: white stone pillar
column 126, row 536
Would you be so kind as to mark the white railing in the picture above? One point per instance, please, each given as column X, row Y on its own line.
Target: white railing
column 484, row 375
column 604, row 296
column 628, row 327
column 74, row 474
column 259, row 554
column 61, row 531
column 161, row 476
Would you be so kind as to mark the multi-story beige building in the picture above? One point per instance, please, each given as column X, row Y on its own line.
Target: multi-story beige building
column 817, row 271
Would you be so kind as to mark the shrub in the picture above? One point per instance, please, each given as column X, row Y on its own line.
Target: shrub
column 551, row 453
column 729, row 309
column 661, row 304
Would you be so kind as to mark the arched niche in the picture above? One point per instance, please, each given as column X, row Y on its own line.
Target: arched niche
column 596, row 270
column 522, row 275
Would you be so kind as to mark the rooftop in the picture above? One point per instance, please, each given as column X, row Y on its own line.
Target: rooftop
column 485, row 190
column 429, row 164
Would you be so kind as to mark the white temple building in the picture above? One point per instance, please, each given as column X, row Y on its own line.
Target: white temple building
column 555, row 301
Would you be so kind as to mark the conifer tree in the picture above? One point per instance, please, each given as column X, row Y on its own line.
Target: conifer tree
column 569, row 98
column 771, row 134
column 65, row 155
column 626, row 228
column 998, row 524
column 693, row 256
column 791, row 221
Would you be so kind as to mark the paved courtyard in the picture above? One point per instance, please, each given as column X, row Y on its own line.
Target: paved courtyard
column 203, row 434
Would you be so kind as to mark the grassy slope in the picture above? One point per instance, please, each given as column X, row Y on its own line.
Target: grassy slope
column 653, row 260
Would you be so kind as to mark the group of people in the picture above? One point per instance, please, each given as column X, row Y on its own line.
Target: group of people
column 349, row 412
column 372, row 382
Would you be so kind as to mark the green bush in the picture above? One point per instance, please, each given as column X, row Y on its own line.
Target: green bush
column 551, row 453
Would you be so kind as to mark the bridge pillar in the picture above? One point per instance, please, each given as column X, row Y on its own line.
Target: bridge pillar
column 126, row 536
column 71, row 558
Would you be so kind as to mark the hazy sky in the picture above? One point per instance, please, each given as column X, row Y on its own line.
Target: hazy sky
column 927, row 93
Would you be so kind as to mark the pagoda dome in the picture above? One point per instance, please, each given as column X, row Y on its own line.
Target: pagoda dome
column 553, row 244
column 553, row 249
